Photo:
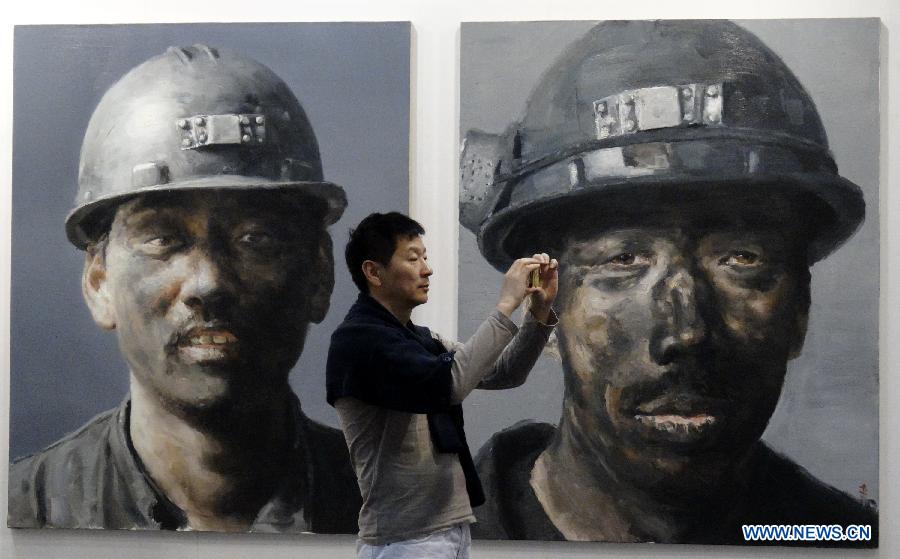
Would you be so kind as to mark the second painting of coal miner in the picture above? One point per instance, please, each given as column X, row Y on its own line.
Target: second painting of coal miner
column 715, row 213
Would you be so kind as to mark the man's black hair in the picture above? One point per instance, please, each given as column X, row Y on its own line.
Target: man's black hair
column 375, row 238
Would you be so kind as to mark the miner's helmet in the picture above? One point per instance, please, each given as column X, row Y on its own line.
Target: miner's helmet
column 639, row 108
column 196, row 118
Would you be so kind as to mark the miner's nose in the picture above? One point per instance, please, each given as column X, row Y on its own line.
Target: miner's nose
column 680, row 326
column 207, row 287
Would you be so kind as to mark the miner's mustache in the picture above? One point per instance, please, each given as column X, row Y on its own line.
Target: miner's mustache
column 678, row 390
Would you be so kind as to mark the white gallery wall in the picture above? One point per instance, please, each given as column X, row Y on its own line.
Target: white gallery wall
column 433, row 198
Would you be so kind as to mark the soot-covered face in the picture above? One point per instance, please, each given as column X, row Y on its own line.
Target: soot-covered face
column 676, row 328
column 211, row 293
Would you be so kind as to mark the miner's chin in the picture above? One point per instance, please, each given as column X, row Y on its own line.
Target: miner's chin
column 675, row 468
column 211, row 398
column 213, row 389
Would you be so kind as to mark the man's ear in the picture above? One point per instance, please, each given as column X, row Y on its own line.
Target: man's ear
column 371, row 270
column 322, row 281
column 95, row 289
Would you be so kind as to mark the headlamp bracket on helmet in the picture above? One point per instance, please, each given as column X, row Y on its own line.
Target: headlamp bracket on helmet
column 206, row 130
column 652, row 108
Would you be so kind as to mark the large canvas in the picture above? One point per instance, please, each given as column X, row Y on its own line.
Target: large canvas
column 681, row 173
column 244, row 144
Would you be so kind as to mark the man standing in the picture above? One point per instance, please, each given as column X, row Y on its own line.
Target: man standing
column 203, row 211
column 683, row 175
column 398, row 388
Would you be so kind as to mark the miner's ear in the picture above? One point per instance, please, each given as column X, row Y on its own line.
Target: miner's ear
column 801, row 317
column 801, row 321
column 322, row 282
column 551, row 348
column 95, row 288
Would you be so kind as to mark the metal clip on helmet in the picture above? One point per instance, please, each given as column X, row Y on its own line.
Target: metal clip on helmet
column 638, row 106
column 196, row 118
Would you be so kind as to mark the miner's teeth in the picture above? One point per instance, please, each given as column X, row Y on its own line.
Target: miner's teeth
column 220, row 339
column 205, row 340
column 672, row 423
column 195, row 341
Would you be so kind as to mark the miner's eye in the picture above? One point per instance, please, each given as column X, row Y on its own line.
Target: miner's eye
column 629, row 259
column 161, row 241
column 623, row 259
column 620, row 270
column 156, row 243
column 741, row 258
column 257, row 238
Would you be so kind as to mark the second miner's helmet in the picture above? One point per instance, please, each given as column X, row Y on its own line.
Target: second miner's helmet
column 196, row 118
column 641, row 106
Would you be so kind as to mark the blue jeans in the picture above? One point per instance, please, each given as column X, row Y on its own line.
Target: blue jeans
column 451, row 543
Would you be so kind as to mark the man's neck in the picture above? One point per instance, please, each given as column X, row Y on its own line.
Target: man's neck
column 401, row 312
column 219, row 479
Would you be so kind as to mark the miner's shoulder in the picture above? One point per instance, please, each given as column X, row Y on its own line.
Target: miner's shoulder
column 336, row 496
column 786, row 493
column 61, row 472
column 504, row 465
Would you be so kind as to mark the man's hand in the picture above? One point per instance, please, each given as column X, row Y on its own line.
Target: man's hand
column 515, row 286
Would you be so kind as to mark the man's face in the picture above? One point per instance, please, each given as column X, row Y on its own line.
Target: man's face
column 405, row 279
column 211, row 293
column 675, row 330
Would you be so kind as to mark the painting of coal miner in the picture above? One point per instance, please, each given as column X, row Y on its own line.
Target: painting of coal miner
column 716, row 352
column 201, row 230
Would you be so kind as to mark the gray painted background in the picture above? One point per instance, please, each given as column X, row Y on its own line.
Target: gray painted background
column 827, row 419
column 351, row 78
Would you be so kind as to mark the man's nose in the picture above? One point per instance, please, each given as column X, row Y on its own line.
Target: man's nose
column 426, row 270
column 679, row 324
column 206, row 288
